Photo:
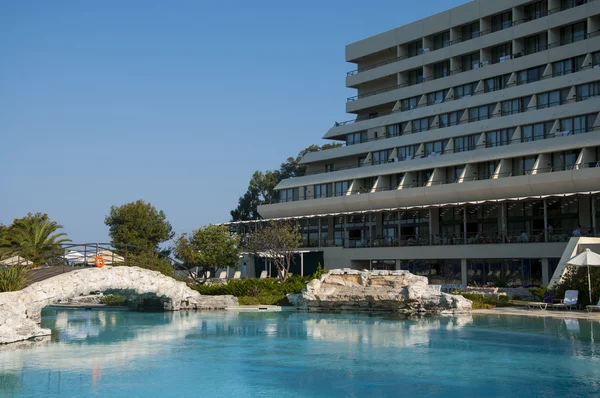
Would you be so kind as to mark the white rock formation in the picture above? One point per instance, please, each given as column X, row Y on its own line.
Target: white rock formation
column 20, row 311
column 400, row 291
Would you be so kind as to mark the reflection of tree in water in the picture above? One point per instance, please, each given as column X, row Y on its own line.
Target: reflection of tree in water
column 90, row 327
column 11, row 384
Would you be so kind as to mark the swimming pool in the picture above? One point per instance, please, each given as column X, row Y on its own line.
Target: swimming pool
column 290, row 354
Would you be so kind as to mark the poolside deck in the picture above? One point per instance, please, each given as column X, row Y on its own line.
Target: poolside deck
column 522, row 311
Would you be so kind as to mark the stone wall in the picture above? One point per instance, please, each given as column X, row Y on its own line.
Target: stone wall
column 398, row 291
column 20, row 311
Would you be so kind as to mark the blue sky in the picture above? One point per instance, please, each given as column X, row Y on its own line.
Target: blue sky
column 176, row 103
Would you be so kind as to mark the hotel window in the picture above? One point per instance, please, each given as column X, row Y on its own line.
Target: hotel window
column 407, row 152
column 409, row 103
column 536, row 10
column 596, row 59
column 435, row 147
column 323, row 191
column 523, row 166
column 586, row 91
column 564, row 160
column 578, row 124
column 567, row 66
column 502, row 21
column 466, row 143
column 573, row 33
column 483, row 112
column 415, row 76
column 415, row 48
column 422, row 124
column 534, row 44
column 329, row 168
column 361, row 161
column 498, row 138
column 436, row 97
column 470, row 31
column 536, row 132
column 566, row 4
column 454, row 173
column 450, row 119
column 487, row 169
column 394, row 130
column 341, row 188
column 441, row 40
column 466, row 90
column 496, row 83
column 289, row 195
column 501, row 52
column 380, row 157
column 441, row 69
column 530, row 75
column 552, row 98
column 470, row 61
column 513, row 106
column 368, row 183
column 356, row 138
column 397, row 179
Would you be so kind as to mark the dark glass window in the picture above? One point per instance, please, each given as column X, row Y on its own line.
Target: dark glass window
column 441, row 40
column 470, row 31
column 499, row 138
column 502, row 21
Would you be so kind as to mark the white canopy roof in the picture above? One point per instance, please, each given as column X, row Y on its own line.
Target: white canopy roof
column 15, row 260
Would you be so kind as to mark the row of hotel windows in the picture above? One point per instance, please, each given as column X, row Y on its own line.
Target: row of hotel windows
column 472, row 30
column 525, row 165
column 496, row 83
column 483, row 112
column 533, row 132
column 502, row 52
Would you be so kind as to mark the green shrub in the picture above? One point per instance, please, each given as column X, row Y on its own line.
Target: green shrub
column 576, row 278
column 320, row 271
column 13, row 278
column 114, row 300
column 485, row 302
column 257, row 291
column 539, row 292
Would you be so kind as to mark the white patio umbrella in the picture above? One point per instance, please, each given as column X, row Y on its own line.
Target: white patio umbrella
column 586, row 259
column 108, row 256
column 75, row 257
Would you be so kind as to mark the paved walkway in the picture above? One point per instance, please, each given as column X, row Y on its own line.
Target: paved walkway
column 594, row 316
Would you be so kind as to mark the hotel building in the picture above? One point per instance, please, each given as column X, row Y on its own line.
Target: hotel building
column 473, row 151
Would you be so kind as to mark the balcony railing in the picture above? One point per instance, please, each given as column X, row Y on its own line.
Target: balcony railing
column 473, row 35
column 516, row 83
column 429, row 183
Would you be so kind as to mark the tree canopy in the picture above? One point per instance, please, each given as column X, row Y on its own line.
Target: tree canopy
column 278, row 241
column 261, row 188
column 210, row 246
column 138, row 224
column 36, row 233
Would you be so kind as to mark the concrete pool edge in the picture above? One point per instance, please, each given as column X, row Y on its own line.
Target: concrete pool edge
column 592, row 316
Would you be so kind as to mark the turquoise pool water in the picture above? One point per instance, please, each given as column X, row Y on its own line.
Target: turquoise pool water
column 229, row 354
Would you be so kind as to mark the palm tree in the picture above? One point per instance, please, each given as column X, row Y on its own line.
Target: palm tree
column 37, row 237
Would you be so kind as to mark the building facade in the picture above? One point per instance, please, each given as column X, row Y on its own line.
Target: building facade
column 473, row 154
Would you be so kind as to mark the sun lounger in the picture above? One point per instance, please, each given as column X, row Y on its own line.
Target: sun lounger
column 263, row 275
column 223, row 275
column 591, row 308
column 569, row 301
column 572, row 325
column 537, row 304
column 237, row 275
